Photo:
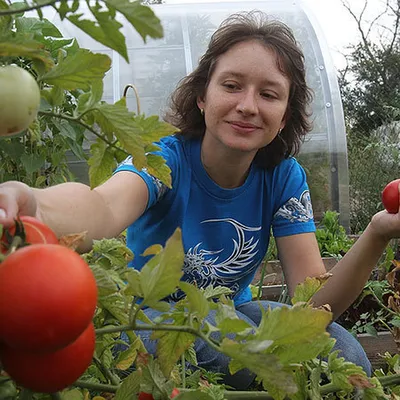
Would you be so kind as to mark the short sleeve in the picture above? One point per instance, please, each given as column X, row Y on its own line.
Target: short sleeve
column 293, row 211
column 157, row 189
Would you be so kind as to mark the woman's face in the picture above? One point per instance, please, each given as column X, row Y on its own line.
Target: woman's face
column 246, row 99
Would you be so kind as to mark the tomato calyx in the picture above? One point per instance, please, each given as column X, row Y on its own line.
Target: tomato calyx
column 26, row 230
column 12, row 241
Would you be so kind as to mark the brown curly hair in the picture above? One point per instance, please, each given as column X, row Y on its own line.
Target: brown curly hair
column 275, row 35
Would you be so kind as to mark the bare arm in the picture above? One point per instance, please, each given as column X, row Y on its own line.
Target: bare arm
column 300, row 258
column 73, row 207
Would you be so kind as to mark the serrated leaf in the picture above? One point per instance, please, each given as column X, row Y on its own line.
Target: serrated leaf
column 31, row 49
column 197, row 302
column 161, row 274
column 157, row 167
column 140, row 16
column 171, row 345
column 116, row 119
column 130, row 387
column 33, row 162
column 215, row 292
column 134, row 284
column 299, row 334
column 306, row 290
column 78, row 71
column 106, row 31
column 105, row 284
column 266, row 366
column 91, row 98
column 35, row 25
column 101, row 163
column 127, row 357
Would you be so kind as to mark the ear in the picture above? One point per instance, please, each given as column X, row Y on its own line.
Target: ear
column 200, row 102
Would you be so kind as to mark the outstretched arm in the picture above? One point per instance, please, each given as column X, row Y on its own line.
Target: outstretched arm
column 73, row 207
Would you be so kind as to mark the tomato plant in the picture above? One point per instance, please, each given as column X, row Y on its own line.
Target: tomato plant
column 32, row 231
column 50, row 372
column 390, row 196
column 19, row 100
column 48, row 296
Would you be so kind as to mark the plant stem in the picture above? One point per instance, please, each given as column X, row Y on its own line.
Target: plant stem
column 159, row 327
column 30, row 8
column 378, row 300
column 101, row 387
column 87, row 127
column 106, row 372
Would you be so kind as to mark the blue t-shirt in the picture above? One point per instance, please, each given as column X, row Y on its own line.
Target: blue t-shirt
column 225, row 232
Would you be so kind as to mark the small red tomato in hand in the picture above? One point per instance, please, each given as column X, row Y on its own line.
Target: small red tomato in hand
column 145, row 396
column 175, row 393
column 390, row 196
column 48, row 296
column 34, row 231
column 50, row 372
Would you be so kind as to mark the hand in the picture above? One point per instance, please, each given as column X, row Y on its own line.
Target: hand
column 16, row 199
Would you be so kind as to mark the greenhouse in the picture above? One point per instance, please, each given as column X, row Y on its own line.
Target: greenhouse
column 156, row 66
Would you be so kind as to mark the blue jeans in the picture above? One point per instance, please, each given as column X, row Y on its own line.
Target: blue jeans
column 212, row 360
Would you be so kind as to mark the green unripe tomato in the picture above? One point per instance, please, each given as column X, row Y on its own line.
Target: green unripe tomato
column 19, row 100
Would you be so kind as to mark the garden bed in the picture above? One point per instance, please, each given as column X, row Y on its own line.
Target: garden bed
column 273, row 285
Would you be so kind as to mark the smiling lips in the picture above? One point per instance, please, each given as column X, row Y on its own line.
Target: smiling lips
column 244, row 127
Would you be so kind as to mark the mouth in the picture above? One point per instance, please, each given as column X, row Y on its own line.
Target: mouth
column 243, row 126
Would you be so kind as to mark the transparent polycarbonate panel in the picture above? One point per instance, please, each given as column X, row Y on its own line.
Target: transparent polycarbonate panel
column 157, row 66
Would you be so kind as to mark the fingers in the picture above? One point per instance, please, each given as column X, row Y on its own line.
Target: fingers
column 15, row 199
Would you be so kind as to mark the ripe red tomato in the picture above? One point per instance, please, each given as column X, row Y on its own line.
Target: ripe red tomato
column 390, row 196
column 145, row 396
column 175, row 393
column 50, row 372
column 48, row 296
column 35, row 232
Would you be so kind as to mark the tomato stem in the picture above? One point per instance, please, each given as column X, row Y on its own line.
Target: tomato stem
column 96, row 386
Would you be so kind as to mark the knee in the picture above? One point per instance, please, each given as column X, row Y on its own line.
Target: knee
column 349, row 347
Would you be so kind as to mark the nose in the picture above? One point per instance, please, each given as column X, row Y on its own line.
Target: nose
column 247, row 105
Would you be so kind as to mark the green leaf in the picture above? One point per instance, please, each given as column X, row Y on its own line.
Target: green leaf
column 22, row 47
column 305, row 291
column 5, row 20
column 266, row 366
column 171, row 345
column 78, row 71
column 134, row 285
column 105, row 283
column 140, row 16
column 295, row 338
column 227, row 320
column 91, row 98
column 54, row 96
column 33, row 162
column 115, row 118
column 106, row 31
column 157, row 167
column 35, row 25
column 161, row 274
column 197, row 302
column 101, row 163
column 72, row 394
column 130, row 387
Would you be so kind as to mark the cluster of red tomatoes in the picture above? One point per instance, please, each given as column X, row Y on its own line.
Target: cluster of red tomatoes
column 48, row 297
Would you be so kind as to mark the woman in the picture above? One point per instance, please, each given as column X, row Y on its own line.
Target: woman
column 242, row 115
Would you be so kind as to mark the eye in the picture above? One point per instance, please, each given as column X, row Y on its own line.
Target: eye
column 230, row 86
column 268, row 95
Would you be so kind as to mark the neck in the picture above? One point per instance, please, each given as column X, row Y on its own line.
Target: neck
column 227, row 171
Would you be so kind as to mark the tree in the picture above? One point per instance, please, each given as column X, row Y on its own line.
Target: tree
column 369, row 83
column 371, row 100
